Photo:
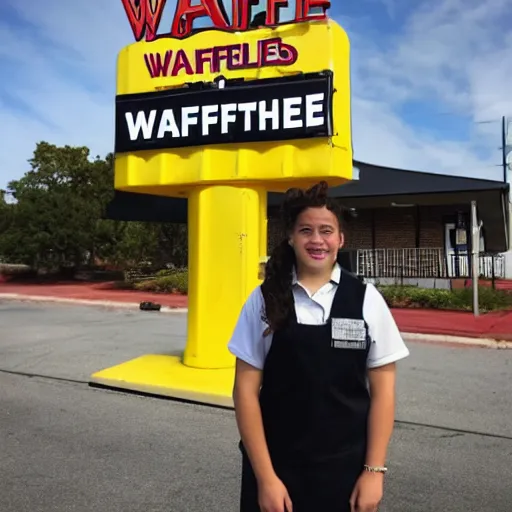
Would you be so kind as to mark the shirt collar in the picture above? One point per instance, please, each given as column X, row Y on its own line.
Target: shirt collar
column 335, row 275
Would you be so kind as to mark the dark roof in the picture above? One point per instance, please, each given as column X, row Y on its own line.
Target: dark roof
column 374, row 181
column 130, row 206
column 378, row 180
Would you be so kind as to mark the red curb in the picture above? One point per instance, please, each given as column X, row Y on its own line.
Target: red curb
column 422, row 321
column 497, row 325
column 94, row 291
column 449, row 344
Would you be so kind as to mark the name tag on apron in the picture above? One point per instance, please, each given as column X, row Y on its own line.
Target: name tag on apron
column 348, row 333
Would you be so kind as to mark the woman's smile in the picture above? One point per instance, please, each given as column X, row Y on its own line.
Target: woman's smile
column 317, row 254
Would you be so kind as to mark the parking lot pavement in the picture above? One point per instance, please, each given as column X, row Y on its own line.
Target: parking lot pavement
column 72, row 342
column 461, row 388
column 67, row 447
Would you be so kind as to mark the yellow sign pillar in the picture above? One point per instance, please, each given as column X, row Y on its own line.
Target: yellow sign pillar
column 223, row 118
column 226, row 227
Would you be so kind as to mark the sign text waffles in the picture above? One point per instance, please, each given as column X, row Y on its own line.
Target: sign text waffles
column 267, row 52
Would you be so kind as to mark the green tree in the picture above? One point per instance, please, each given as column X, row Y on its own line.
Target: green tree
column 5, row 212
column 58, row 204
column 58, row 219
column 172, row 244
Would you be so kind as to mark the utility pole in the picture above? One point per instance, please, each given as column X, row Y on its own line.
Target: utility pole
column 475, row 252
column 504, row 148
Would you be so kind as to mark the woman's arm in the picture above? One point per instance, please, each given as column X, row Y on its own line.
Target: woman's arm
column 369, row 489
column 248, row 416
column 382, row 413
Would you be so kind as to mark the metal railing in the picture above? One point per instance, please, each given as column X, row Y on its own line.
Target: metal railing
column 401, row 262
column 425, row 263
column 491, row 266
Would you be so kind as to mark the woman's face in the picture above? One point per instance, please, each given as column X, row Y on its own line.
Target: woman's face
column 316, row 239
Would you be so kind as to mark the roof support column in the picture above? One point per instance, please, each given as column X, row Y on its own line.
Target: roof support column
column 476, row 225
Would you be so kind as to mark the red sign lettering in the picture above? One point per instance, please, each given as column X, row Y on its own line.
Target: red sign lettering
column 273, row 7
column 185, row 15
column 304, row 7
column 144, row 16
column 267, row 52
column 242, row 13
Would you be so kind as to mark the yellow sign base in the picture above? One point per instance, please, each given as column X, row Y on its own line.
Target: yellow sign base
column 226, row 182
column 227, row 231
column 167, row 376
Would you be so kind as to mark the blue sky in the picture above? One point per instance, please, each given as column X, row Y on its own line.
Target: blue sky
column 430, row 79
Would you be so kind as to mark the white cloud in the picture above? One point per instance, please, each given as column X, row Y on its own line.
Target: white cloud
column 454, row 54
column 442, row 46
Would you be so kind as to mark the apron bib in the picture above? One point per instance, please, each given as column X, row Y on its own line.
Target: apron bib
column 315, row 402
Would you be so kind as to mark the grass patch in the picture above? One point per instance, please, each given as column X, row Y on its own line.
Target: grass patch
column 457, row 300
column 176, row 281
column 166, row 281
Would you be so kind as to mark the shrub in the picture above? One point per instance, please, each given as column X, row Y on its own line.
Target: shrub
column 459, row 299
column 165, row 272
column 7, row 269
column 167, row 281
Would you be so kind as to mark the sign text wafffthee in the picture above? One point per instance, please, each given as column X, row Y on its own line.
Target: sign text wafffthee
column 258, row 111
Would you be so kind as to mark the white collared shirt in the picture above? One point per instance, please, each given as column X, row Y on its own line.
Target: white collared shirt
column 248, row 343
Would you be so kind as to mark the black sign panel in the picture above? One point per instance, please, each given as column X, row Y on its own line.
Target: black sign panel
column 226, row 112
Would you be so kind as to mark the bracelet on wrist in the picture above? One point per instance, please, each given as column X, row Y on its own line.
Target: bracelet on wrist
column 375, row 469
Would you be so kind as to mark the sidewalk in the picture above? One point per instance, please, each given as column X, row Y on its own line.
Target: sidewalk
column 88, row 292
column 497, row 326
column 439, row 325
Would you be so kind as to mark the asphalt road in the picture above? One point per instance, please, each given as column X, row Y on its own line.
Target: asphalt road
column 66, row 447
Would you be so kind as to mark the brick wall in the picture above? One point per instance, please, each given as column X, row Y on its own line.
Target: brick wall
column 395, row 228
column 358, row 231
column 274, row 232
column 432, row 225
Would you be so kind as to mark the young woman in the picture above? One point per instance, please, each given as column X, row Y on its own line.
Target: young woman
column 315, row 373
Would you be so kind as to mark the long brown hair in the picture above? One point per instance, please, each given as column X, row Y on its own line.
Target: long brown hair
column 277, row 285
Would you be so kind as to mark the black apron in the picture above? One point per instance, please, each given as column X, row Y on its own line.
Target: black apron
column 315, row 402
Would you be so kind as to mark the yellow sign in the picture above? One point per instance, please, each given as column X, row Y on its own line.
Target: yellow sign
column 259, row 108
column 222, row 117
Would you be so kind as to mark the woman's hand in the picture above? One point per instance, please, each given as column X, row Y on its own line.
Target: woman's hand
column 367, row 493
column 273, row 496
